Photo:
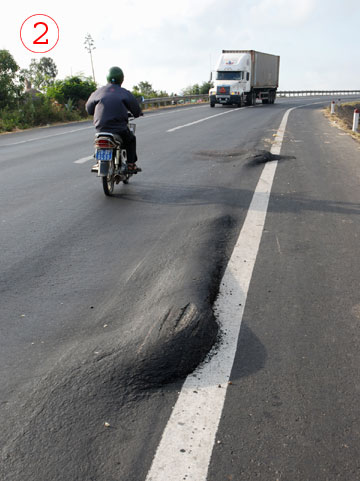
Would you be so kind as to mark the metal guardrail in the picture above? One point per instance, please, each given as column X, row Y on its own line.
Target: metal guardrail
column 185, row 99
column 179, row 99
column 314, row 93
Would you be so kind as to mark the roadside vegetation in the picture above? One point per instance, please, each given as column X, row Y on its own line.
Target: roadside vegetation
column 146, row 90
column 33, row 96
column 197, row 89
column 343, row 117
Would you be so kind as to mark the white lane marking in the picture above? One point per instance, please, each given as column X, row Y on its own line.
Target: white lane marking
column 279, row 136
column 204, row 119
column 46, row 136
column 83, row 160
column 149, row 115
column 187, row 442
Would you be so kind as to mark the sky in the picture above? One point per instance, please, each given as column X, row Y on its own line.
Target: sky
column 175, row 44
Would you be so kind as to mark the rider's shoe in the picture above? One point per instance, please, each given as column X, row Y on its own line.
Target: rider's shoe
column 133, row 168
column 95, row 168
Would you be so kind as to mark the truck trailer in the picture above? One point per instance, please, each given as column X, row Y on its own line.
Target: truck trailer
column 242, row 76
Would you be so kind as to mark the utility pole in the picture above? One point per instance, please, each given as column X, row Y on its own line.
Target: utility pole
column 89, row 46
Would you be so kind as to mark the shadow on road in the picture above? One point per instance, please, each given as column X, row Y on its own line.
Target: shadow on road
column 165, row 194
column 251, row 354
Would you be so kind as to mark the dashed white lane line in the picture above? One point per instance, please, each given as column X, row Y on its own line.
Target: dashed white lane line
column 150, row 115
column 204, row 119
column 84, row 159
column 187, row 442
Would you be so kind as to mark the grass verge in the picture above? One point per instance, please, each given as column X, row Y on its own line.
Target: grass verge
column 37, row 113
column 343, row 117
column 43, row 113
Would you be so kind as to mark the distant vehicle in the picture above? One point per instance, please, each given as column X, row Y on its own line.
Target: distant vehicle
column 242, row 76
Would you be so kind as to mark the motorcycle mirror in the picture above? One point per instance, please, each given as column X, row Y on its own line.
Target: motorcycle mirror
column 140, row 98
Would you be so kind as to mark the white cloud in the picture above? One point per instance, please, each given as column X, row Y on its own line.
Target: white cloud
column 172, row 45
column 282, row 12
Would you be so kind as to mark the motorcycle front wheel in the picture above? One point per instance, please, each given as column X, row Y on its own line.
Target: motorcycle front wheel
column 108, row 184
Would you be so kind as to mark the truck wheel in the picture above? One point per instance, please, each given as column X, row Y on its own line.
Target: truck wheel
column 251, row 98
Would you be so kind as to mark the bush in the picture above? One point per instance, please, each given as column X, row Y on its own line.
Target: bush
column 35, row 112
column 76, row 88
column 8, row 120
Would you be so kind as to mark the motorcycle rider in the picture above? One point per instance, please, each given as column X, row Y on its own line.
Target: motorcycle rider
column 110, row 106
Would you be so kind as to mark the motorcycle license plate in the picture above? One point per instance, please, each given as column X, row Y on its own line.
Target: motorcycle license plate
column 104, row 154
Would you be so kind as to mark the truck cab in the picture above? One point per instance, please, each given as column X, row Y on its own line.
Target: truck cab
column 232, row 79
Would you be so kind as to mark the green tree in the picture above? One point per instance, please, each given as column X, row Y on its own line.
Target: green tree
column 77, row 88
column 205, row 87
column 191, row 90
column 9, row 88
column 144, row 88
column 197, row 89
column 162, row 93
column 41, row 74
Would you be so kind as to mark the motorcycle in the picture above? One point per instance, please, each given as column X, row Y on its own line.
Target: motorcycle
column 111, row 158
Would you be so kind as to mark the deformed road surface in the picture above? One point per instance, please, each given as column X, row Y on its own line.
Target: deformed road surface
column 107, row 303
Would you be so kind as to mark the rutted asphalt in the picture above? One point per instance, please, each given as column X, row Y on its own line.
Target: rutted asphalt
column 146, row 264
column 159, row 249
column 98, row 377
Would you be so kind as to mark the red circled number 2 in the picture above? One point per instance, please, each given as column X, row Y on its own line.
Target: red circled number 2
column 36, row 42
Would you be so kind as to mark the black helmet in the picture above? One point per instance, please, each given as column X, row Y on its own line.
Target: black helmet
column 115, row 76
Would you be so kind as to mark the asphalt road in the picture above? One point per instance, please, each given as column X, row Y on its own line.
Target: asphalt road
column 93, row 291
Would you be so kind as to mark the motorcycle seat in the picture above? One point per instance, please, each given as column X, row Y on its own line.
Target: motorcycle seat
column 115, row 137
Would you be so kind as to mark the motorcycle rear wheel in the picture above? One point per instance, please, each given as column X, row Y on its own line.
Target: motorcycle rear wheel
column 108, row 184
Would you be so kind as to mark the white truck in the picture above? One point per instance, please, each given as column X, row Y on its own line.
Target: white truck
column 242, row 76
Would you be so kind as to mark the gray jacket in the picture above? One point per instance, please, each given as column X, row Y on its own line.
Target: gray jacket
column 110, row 106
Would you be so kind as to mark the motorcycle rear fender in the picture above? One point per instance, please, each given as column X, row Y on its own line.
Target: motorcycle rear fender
column 104, row 167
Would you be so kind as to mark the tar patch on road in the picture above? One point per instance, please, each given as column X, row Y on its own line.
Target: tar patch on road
column 250, row 158
column 63, row 417
column 264, row 156
column 221, row 155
